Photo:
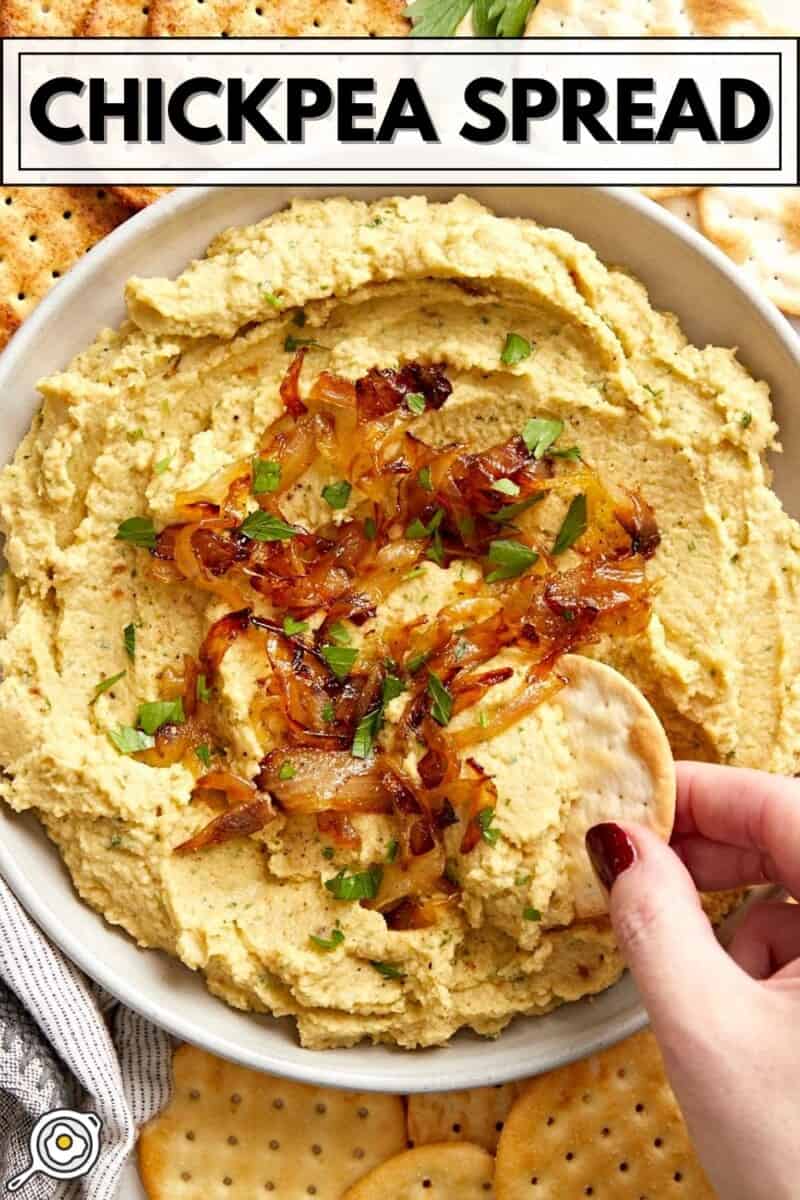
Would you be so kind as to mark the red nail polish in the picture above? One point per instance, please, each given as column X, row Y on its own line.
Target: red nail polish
column 611, row 852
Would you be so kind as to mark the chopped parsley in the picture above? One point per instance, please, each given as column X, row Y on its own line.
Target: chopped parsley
column 573, row 526
column 155, row 713
column 391, row 850
column 328, row 852
column 510, row 511
column 572, row 452
column 134, row 435
column 363, row 885
column 291, row 627
column 746, row 420
column 511, row 559
column 424, row 479
column 328, row 713
column 516, row 349
column 129, row 640
column 370, row 529
column 293, row 343
column 204, row 754
column 266, row 476
column 488, row 833
column 262, row 526
column 451, row 871
column 137, row 531
column 417, row 529
column 416, row 403
column 203, row 690
column 540, row 433
column 321, row 943
column 506, row 487
column 366, row 732
column 392, row 688
column 656, row 393
column 531, row 914
column 338, row 634
column 287, row 770
column 340, row 659
column 162, row 464
column 416, row 661
column 105, row 684
column 521, row 880
column 272, row 299
column 387, row 970
column 435, row 551
column 337, row 494
column 129, row 740
column 442, row 706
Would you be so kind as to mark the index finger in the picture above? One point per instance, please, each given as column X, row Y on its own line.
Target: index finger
column 751, row 811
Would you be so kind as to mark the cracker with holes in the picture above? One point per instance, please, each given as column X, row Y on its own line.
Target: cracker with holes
column 115, row 18
column 759, row 228
column 440, row 1171
column 43, row 232
column 42, row 18
column 229, row 1131
column 622, row 766
column 140, row 196
column 669, row 191
column 474, row 1115
column 605, row 1127
column 278, row 18
column 647, row 18
column 686, row 209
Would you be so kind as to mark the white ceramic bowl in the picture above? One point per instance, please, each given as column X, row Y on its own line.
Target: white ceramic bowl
column 685, row 274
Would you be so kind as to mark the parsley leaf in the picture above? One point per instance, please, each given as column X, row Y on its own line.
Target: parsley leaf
column 291, row 627
column 137, row 531
column 262, row 526
column 287, row 770
column 392, row 688
column 516, row 349
column 416, row 530
column 272, row 299
column 424, row 479
column 339, row 634
column 540, row 433
column 266, row 476
column 293, row 343
column 129, row 640
column 155, row 713
column 415, row 661
column 746, row 420
column 509, row 511
column 501, row 18
column 485, row 818
column 506, row 486
column 204, row 754
column 415, row 402
column 512, row 559
column 573, row 526
column 340, row 659
column 435, row 551
column 572, row 452
column 387, row 970
column 361, row 886
column 128, row 740
column 203, row 690
column 531, row 914
column 336, row 939
column 442, row 706
column 391, row 850
column 337, row 494
column 105, row 684
column 437, row 18
column 328, row 711
column 366, row 732
column 370, row 529
column 162, row 465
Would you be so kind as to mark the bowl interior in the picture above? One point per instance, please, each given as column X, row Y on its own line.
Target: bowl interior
column 683, row 274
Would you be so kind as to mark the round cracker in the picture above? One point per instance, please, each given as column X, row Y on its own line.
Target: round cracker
column 439, row 1171
column 606, row 1126
column 235, row 1133
column 474, row 1115
column 625, row 771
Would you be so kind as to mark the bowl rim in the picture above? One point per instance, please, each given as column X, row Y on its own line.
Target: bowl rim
column 34, row 901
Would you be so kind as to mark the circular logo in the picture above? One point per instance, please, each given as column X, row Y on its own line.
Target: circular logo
column 63, row 1145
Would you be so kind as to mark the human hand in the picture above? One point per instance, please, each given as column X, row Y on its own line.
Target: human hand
column 728, row 1023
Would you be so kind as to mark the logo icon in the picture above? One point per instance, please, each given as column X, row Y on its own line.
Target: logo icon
column 63, row 1145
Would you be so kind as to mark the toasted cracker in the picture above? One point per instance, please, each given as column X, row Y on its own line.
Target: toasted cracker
column 138, row 195
column 43, row 231
column 642, row 18
column 440, row 1171
column 667, row 191
column 606, row 1126
column 476, row 1115
column 278, row 18
column 42, row 18
column 686, row 209
column 624, row 765
column 235, row 1133
column 759, row 228
column 115, row 18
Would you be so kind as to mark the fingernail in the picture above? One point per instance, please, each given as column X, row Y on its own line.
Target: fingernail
column 611, row 852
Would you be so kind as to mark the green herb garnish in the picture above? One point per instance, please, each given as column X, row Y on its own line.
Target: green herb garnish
column 424, row 479
column 510, row 512
column 516, row 349
column 370, row 529
column 105, row 684
column 293, row 343
column 340, row 659
column 366, row 732
column 531, row 914
column 129, row 740
column 272, row 299
column 262, row 526
column 363, row 885
column 204, row 754
column 137, row 531
column 129, row 640
column 391, row 850
column 266, row 476
column 339, row 634
column 442, row 706
column 416, row 403
column 337, row 494
column 328, row 712
column 437, row 18
column 391, row 689
column 746, row 420
column 506, row 486
column 155, row 713
column 540, row 433
column 415, row 661
column 328, row 852
column 336, row 939
column 387, row 970
column 291, row 627
column 573, row 526
column 162, row 464
column 485, row 818
column 512, row 559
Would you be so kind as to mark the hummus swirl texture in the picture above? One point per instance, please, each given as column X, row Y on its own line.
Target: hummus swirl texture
column 184, row 388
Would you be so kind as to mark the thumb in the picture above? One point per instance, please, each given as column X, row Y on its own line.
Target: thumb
column 664, row 935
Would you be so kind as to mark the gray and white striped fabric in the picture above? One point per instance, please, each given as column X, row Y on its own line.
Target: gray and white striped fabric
column 66, row 1043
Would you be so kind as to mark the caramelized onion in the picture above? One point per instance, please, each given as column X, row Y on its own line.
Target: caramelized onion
column 325, row 781
column 420, row 876
column 241, row 821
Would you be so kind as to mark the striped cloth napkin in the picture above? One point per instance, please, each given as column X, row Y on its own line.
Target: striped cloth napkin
column 67, row 1044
